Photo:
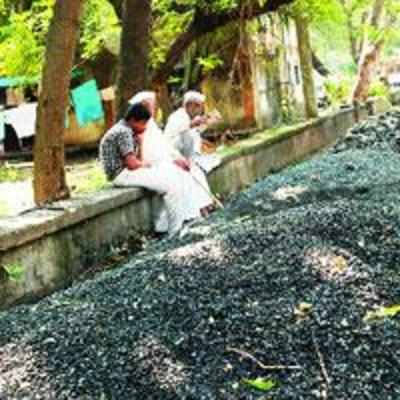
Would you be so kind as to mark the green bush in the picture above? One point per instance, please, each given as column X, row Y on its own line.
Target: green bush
column 338, row 92
column 378, row 89
column 15, row 271
column 11, row 174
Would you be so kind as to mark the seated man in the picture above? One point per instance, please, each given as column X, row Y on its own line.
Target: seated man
column 183, row 131
column 156, row 147
column 120, row 154
column 180, row 125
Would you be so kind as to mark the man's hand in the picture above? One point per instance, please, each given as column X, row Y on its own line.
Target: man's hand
column 140, row 138
column 198, row 121
column 183, row 163
column 132, row 163
column 145, row 164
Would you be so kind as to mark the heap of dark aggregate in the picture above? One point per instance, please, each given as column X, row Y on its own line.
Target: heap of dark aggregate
column 381, row 133
column 325, row 233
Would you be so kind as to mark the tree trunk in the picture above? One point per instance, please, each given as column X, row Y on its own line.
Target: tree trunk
column 246, row 85
column 164, row 101
column 49, row 174
column 370, row 56
column 366, row 72
column 134, row 54
column 305, row 53
column 354, row 43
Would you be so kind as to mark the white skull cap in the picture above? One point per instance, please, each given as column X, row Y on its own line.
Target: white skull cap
column 193, row 97
column 142, row 96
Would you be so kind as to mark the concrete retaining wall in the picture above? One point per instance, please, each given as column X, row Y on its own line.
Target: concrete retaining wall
column 395, row 97
column 49, row 248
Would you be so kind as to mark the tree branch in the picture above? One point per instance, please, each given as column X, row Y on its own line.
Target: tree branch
column 203, row 23
column 319, row 65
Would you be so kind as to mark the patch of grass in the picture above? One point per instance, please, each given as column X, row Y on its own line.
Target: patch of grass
column 90, row 180
column 15, row 271
column 267, row 136
column 12, row 174
column 4, row 209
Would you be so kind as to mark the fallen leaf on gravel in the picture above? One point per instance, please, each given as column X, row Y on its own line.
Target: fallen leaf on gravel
column 302, row 311
column 339, row 265
column 262, row 384
column 382, row 312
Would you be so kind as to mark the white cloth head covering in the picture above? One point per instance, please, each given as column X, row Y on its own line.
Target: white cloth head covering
column 143, row 96
column 156, row 148
column 193, row 97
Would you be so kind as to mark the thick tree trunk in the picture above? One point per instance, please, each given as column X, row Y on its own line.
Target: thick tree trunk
column 307, row 72
column 164, row 101
column 133, row 62
column 247, row 88
column 49, row 175
column 370, row 56
column 366, row 72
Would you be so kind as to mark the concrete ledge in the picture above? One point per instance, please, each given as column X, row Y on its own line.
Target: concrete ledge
column 33, row 225
column 272, row 150
column 395, row 97
column 51, row 247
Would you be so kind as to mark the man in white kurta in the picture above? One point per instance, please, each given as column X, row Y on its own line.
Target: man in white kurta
column 183, row 132
column 158, row 151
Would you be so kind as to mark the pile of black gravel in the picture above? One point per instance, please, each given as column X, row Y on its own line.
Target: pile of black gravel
column 379, row 133
column 325, row 233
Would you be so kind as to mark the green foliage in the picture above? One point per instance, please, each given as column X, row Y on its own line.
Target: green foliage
column 338, row 91
column 165, row 29
column 100, row 26
column 23, row 35
column 170, row 22
column 210, row 62
column 90, row 181
column 15, row 271
column 333, row 36
column 22, row 40
column 167, row 6
column 23, row 32
column 379, row 89
column 11, row 174
column 175, row 80
column 318, row 11
column 4, row 209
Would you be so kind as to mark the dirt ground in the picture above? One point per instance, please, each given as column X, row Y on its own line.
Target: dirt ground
column 84, row 175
